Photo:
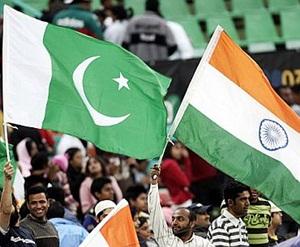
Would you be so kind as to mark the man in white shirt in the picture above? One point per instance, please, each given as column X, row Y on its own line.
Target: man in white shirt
column 183, row 221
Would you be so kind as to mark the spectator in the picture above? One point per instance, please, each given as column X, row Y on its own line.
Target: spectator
column 75, row 176
column 183, row 221
column 103, row 208
column 116, row 31
column 79, row 17
column 229, row 229
column 144, row 233
column 148, row 36
column 136, row 195
column 26, row 149
column 260, row 210
column 95, row 168
column 202, row 219
column 176, row 174
column 54, row 6
column 70, row 234
column 276, row 221
column 44, row 232
column 9, row 216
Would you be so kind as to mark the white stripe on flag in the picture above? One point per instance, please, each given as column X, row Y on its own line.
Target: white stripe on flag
column 24, row 87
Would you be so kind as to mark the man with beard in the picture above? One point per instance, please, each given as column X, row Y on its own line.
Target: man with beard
column 228, row 229
column 36, row 222
column 183, row 221
column 11, row 234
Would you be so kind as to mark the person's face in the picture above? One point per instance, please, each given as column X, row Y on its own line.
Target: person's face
column 254, row 195
column 144, row 231
column 277, row 218
column 38, row 205
column 34, row 150
column 176, row 151
column 94, row 167
column 287, row 95
column 203, row 220
column 240, row 205
column 181, row 224
column 107, row 193
column 76, row 161
column 140, row 203
column 104, row 214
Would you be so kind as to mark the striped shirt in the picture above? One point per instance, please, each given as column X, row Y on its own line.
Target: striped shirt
column 227, row 230
column 162, row 233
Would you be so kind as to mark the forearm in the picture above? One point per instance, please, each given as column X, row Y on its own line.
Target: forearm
column 6, row 198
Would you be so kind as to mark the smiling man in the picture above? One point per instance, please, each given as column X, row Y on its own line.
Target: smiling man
column 183, row 221
column 43, row 231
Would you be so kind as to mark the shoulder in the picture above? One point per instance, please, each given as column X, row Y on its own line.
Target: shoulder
column 220, row 223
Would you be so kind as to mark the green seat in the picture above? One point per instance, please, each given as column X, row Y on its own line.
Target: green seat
column 138, row 6
column 224, row 21
column 276, row 6
column 290, row 28
column 260, row 32
column 193, row 30
column 174, row 9
column 241, row 7
column 205, row 8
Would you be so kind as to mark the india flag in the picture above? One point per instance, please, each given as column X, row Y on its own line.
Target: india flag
column 56, row 78
column 232, row 117
column 116, row 229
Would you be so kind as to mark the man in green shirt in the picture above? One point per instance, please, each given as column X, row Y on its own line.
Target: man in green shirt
column 79, row 17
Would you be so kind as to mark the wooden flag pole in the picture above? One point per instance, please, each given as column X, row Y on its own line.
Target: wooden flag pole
column 6, row 141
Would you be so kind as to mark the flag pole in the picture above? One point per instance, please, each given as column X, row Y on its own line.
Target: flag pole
column 6, row 141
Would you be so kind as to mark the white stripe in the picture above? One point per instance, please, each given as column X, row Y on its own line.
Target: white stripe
column 238, row 113
column 26, row 69
column 184, row 104
column 96, row 240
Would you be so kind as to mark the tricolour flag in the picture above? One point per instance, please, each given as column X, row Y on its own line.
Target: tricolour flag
column 233, row 118
column 116, row 230
column 56, row 78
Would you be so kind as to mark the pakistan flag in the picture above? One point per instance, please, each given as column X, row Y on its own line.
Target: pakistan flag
column 58, row 79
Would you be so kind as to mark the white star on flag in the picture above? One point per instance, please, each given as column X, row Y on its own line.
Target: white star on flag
column 122, row 81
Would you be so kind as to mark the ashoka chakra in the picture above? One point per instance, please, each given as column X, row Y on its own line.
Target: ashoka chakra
column 272, row 135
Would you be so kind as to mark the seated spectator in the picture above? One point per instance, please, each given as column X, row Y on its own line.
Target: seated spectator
column 148, row 35
column 70, row 233
column 144, row 233
column 79, row 17
column 136, row 195
column 103, row 208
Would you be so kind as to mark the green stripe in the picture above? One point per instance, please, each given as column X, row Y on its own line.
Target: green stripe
column 240, row 160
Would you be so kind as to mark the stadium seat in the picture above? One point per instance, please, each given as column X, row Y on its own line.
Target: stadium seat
column 242, row 7
column 193, row 30
column 260, row 32
column 276, row 6
column 172, row 10
column 291, row 28
column 138, row 6
column 205, row 8
column 224, row 21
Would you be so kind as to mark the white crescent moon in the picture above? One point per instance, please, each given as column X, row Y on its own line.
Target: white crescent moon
column 98, row 118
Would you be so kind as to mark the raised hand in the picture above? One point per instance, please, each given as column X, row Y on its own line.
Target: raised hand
column 8, row 171
column 155, row 172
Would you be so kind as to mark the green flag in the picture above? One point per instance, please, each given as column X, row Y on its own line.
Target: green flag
column 3, row 160
column 58, row 79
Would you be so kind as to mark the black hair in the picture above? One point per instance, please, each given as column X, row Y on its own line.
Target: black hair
column 102, row 164
column 141, row 221
column 98, row 184
column 233, row 189
column 28, row 145
column 71, row 153
column 39, row 161
column 35, row 180
column 134, row 191
column 56, row 193
column 152, row 5
column 55, row 210
column 119, row 12
column 35, row 190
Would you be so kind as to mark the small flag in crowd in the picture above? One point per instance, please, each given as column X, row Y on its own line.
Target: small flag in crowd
column 56, row 78
column 233, row 118
column 116, row 230
column 3, row 160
